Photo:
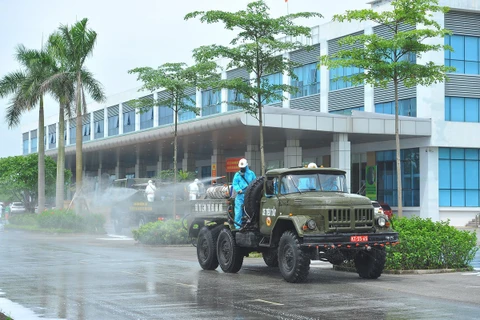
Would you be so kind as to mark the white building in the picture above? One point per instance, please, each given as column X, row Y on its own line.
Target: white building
column 330, row 123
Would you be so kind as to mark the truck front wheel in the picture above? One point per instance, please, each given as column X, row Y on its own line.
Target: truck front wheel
column 230, row 256
column 293, row 262
column 370, row 264
column 206, row 248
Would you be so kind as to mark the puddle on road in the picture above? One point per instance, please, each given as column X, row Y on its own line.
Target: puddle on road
column 115, row 237
column 18, row 312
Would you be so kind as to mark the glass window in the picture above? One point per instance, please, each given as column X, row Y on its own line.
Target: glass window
column 146, row 119
column 308, row 82
column 462, row 109
column 165, row 115
column 25, row 146
column 347, row 111
column 113, row 125
column 73, row 134
column 471, row 110
column 465, row 56
column 447, row 109
column 406, row 107
column 86, row 132
column 272, row 80
column 211, row 102
column 129, row 121
column 184, row 115
column 459, row 177
column 98, row 127
column 387, row 181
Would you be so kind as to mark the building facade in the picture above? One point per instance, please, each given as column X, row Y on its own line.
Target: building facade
column 331, row 123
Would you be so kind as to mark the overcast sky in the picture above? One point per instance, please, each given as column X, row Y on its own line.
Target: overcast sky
column 130, row 34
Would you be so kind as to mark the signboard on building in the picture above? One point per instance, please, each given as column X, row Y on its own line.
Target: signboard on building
column 371, row 182
column 232, row 164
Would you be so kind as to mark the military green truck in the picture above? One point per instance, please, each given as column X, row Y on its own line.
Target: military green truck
column 130, row 207
column 292, row 216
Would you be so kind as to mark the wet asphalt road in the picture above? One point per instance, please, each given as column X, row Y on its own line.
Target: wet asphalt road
column 103, row 277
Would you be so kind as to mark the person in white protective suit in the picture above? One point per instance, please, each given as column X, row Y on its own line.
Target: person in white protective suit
column 150, row 191
column 193, row 189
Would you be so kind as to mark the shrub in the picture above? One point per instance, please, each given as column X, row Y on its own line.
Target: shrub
column 162, row 232
column 65, row 220
column 425, row 244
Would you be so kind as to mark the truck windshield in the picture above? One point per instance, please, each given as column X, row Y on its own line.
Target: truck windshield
column 293, row 183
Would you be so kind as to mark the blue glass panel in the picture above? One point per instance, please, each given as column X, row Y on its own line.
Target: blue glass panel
column 471, row 48
column 471, row 198
column 447, row 52
column 458, row 44
column 471, row 154
column 444, row 153
column 447, row 108
column 471, row 67
column 471, row 110
column 457, row 153
column 471, row 171
column 459, row 65
column 379, row 156
column 458, row 174
column 458, row 109
column 445, row 198
column 458, row 198
column 444, row 174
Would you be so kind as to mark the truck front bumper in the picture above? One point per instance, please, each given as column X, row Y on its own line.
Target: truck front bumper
column 350, row 240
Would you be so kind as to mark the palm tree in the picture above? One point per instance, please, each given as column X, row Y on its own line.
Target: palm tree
column 78, row 42
column 25, row 86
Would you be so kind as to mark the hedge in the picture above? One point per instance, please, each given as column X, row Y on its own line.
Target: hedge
column 162, row 233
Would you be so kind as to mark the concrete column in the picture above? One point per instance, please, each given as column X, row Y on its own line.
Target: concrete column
column 369, row 102
column 163, row 163
column 292, row 154
column 137, row 120
column 253, row 158
column 105, row 122
column 341, row 154
column 224, row 94
column 140, row 167
column 188, row 162
column 119, row 170
column 324, row 79
column 92, row 127
column 286, row 80
column 429, row 198
column 155, row 110
column 198, row 98
column 120, row 118
column 218, row 163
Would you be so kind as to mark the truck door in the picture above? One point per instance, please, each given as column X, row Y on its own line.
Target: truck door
column 269, row 206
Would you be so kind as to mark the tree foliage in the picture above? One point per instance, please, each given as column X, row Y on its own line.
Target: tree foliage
column 19, row 177
column 258, row 49
column 412, row 26
column 175, row 79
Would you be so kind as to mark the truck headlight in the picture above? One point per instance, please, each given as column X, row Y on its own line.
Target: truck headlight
column 311, row 224
column 381, row 221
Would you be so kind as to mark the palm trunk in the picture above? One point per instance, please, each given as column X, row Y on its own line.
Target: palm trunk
column 41, row 158
column 175, row 166
column 397, row 145
column 60, row 183
column 79, row 139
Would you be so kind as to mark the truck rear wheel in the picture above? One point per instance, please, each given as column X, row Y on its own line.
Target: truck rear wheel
column 370, row 264
column 206, row 248
column 293, row 262
column 230, row 256
column 253, row 195
column 271, row 257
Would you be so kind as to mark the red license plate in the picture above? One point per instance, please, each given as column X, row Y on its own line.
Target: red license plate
column 358, row 238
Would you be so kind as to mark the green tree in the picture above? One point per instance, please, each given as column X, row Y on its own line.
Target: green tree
column 19, row 177
column 174, row 79
column 77, row 43
column 393, row 59
column 25, row 86
column 258, row 49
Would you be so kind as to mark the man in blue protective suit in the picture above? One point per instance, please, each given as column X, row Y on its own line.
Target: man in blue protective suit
column 241, row 181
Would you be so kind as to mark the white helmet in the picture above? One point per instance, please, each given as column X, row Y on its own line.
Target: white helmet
column 196, row 180
column 242, row 163
column 312, row 165
column 149, row 181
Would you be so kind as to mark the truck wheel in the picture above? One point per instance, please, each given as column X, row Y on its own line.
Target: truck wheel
column 271, row 257
column 206, row 248
column 230, row 255
column 293, row 262
column 253, row 195
column 370, row 264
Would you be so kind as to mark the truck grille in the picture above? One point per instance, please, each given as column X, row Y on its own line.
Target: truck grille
column 342, row 218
